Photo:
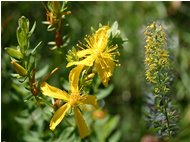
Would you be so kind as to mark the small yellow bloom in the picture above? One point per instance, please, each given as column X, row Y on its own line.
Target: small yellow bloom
column 98, row 53
column 73, row 101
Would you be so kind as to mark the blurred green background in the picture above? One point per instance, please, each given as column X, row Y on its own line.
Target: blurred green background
column 127, row 98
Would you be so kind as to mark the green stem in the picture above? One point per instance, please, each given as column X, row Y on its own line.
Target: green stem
column 165, row 104
column 167, row 118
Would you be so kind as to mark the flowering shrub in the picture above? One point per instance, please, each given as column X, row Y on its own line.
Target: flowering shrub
column 77, row 74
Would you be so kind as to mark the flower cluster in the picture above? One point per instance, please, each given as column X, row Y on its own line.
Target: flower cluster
column 156, row 54
column 99, row 54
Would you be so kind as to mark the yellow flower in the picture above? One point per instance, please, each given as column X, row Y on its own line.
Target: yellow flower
column 99, row 52
column 73, row 101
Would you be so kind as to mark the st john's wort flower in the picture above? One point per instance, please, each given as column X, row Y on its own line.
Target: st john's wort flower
column 73, row 100
column 99, row 53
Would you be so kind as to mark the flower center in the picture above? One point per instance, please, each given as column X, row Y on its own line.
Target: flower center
column 97, row 53
column 74, row 99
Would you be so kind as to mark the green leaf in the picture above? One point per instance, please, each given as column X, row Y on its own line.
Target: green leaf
column 115, row 137
column 114, row 29
column 24, row 24
column 64, row 6
column 14, row 53
column 21, row 38
column 36, row 47
column 110, row 126
column 32, row 137
column 22, row 34
column 32, row 30
column 66, row 135
column 102, row 93
column 42, row 71
column 28, row 97
column 22, row 120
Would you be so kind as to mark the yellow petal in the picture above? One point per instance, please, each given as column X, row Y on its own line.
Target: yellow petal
column 105, row 68
column 83, row 53
column 54, row 92
column 58, row 116
column 88, row 61
column 82, row 126
column 95, row 44
column 101, row 38
column 89, row 99
column 71, row 64
column 74, row 78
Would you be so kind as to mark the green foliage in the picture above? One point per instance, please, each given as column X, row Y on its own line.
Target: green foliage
column 105, row 127
column 123, row 104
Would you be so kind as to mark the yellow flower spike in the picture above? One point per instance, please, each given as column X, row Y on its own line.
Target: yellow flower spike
column 99, row 52
column 19, row 69
column 83, row 128
column 156, row 54
column 72, row 99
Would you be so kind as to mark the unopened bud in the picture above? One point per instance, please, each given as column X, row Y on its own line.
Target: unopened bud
column 90, row 76
column 19, row 69
column 56, row 6
column 14, row 53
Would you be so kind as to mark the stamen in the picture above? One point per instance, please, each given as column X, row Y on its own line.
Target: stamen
column 112, row 48
column 105, row 62
column 100, row 63
column 79, row 45
column 74, row 98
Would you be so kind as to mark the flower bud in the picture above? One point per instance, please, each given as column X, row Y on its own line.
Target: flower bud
column 14, row 53
column 56, row 6
column 19, row 69
column 90, row 76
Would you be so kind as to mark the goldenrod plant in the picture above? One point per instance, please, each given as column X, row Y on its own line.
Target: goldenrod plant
column 162, row 114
